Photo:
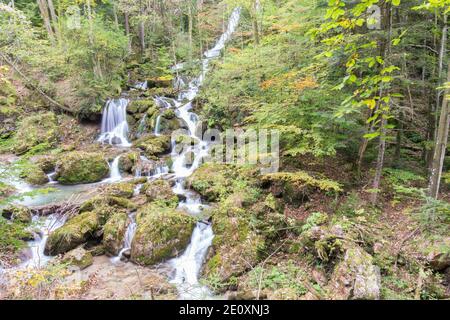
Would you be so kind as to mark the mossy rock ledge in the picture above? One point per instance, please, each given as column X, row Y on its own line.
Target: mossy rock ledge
column 162, row 233
column 81, row 167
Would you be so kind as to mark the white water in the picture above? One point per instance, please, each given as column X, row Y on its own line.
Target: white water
column 50, row 177
column 128, row 238
column 141, row 85
column 114, row 128
column 157, row 125
column 114, row 175
column 187, row 267
column 46, row 226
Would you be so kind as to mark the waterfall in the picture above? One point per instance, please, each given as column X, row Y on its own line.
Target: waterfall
column 157, row 125
column 114, row 175
column 141, row 85
column 50, row 177
column 114, row 128
column 128, row 238
column 186, row 268
column 37, row 246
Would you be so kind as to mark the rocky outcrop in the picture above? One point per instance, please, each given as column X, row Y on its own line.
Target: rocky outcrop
column 81, row 167
column 355, row 277
column 161, row 191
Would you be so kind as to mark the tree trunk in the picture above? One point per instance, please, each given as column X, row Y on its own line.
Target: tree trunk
column 441, row 143
column 191, row 27
column 54, row 18
column 45, row 17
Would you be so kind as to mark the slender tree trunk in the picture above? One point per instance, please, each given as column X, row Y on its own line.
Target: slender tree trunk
column 43, row 8
column 54, row 18
column 190, row 29
column 441, row 143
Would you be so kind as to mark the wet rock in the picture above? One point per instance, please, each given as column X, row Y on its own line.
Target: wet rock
column 78, row 258
column 17, row 213
column 39, row 129
column 140, row 106
column 355, row 277
column 81, row 167
column 46, row 163
column 162, row 233
column 121, row 190
column 160, row 82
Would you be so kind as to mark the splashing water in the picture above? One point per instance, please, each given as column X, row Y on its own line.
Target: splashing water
column 114, row 128
column 129, row 235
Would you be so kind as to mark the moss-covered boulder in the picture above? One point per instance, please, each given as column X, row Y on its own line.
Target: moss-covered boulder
column 78, row 258
column 107, row 202
column 6, row 190
column 34, row 175
column 17, row 213
column 211, row 181
column 161, row 191
column 75, row 232
column 114, row 232
column 140, row 106
column 128, row 161
column 40, row 129
column 161, row 234
column 121, row 190
column 46, row 163
column 154, row 146
column 81, row 167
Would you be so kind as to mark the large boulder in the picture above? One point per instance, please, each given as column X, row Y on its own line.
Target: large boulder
column 154, row 146
column 128, row 161
column 355, row 277
column 81, row 167
column 17, row 213
column 34, row 175
column 162, row 233
column 39, row 129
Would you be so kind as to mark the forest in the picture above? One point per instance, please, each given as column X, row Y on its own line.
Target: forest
column 224, row 149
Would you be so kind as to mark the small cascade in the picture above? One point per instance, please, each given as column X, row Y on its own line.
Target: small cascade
column 128, row 238
column 114, row 175
column 137, row 189
column 142, row 127
column 114, row 128
column 157, row 125
column 37, row 246
column 51, row 177
column 187, row 266
column 143, row 85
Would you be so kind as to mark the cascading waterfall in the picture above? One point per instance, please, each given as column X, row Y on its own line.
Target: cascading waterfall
column 187, row 266
column 128, row 238
column 114, row 175
column 157, row 125
column 114, row 128
column 37, row 246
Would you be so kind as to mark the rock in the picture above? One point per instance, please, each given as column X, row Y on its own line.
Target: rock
column 46, row 163
column 17, row 213
column 39, row 129
column 121, row 190
column 114, row 231
column 6, row 190
column 140, row 106
column 161, row 191
column 211, row 180
column 79, row 258
column 283, row 294
column 160, row 82
column 81, row 167
column 439, row 261
column 162, row 233
column 154, row 146
column 35, row 176
column 75, row 232
column 355, row 277
column 127, row 161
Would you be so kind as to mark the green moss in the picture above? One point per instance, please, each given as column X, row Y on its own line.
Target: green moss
column 40, row 129
column 11, row 236
column 114, row 231
column 161, row 191
column 154, row 146
column 34, row 175
column 140, row 106
column 161, row 233
column 75, row 232
column 121, row 190
column 127, row 161
column 81, row 167
column 17, row 213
